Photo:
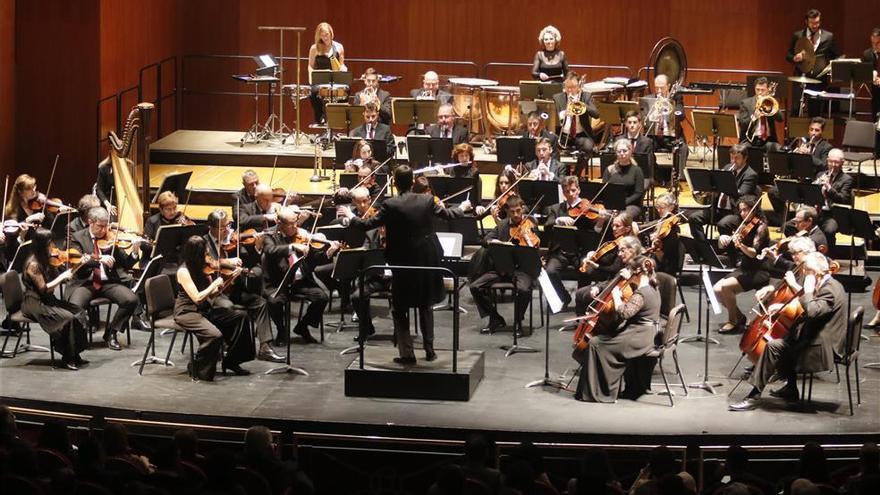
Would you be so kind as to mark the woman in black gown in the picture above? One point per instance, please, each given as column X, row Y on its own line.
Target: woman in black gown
column 550, row 63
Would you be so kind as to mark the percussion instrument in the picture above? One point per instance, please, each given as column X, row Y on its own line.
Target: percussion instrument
column 806, row 65
column 466, row 98
column 501, row 106
column 803, row 80
column 296, row 91
column 333, row 92
column 668, row 58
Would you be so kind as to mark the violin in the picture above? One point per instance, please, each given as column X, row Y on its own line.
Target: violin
column 59, row 257
column 585, row 208
column 609, row 247
column 524, row 234
column 782, row 245
column 748, row 224
column 245, row 238
column 53, row 205
column 113, row 239
column 13, row 227
column 181, row 219
column 663, row 229
column 312, row 242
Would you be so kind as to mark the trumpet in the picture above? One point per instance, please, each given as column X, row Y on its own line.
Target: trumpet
column 369, row 94
column 804, row 146
column 425, row 95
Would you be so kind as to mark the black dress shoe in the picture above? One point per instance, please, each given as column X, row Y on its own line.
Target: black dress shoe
column 304, row 333
column 405, row 360
column 138, row 323
column 748, row 404
column 80, row 361
column 430, row 355
column 787, row 392
column 237, row 370
column 70, row 365
column 494, row 324
column 271, row 356
column 112, row 343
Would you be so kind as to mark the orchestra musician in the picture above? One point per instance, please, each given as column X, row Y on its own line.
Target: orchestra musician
column 18, row 205
column 632, row 132
column 503, row 181
column 667, row 251
column 104, row 274
column 410, row 241
column 825, row 50
column 824, row 322
column 104, row 184
column 263, row 212
column 755, row 128
column 372, row 93
column 245, row 195
column 248, row 287
column 325, row 54
column 430, row 89
column 370, row 183
column 373, row 129
column 837, row 188
column 545, row 166
column 597, row 267
column 813, row 144
column 724, row 215
column 786, row 261
column 63, row 321
column 361, row 154
column 612, row 366
column 198, row 311
column 743, row 248
column 872, row 56
column 550, row 62
column 168, row 215
column 535, row 129
column 665, row 127
column 625, row 171
column 463, row 154
column 447, row 127
column 483, row 278
column 578, row 128
column 85, row 203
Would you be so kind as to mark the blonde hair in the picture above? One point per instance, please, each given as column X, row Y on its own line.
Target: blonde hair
column 551, row 30
column 165, row 198
column 22, row 182
column 324, row 26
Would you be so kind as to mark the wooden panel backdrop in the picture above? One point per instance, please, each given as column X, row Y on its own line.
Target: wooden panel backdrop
column 7, row 87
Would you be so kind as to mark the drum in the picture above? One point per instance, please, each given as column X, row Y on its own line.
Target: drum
column 333, row 92
column 636, row 90
column 296, row 92
column 466, row 99
column 501, row 106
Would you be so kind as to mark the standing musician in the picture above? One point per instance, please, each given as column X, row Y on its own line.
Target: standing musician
column 872, row 56
column 104, row 274
column 535, row 129
column 550, row 63
column 281, row 250
column 248, row 287
column 743, row 248
column 724, row 216
column 198, row 311
column 430, row 89
column 837, row 188
column 823, row 321
column 324, row 54
column 373, row 129
column 626, row 171
column 410, row 241
column 611, row 368
column 516, row 228
column 545, row 166
column 372, row 93
column 62, row 320
column 104, row 185
column 361, row 154
column 447, row 127
column 245, row 195
column 602, row 264
column 754, row 126
column 578, row 128
column 825, row 50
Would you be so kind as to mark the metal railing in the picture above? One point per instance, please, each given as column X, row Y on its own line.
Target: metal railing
column 487, row 68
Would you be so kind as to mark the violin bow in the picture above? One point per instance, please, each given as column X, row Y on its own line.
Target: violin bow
column 447, row 198
column 359, row 184
column 376, row 199
column 505, row 193
column 272, row 175
column 188, row 195
column 315, row 224
column 49, row 187
column 5, row 195
column 116, row 233
column 238, row 226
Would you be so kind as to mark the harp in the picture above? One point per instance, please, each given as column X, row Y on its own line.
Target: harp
column 126, row 154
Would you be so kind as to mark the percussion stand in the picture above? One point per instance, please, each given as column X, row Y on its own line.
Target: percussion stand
column 282, row 127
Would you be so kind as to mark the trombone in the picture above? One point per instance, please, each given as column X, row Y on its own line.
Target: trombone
column 765, row 106
column 574, row 108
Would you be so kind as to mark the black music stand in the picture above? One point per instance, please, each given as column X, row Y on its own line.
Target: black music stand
column 539, row 194
column 547, row 286
column 613, row 113
column 345, row 148
column 796, row 165
column 466, row 226
column 444, row 186
column 331, row 77
column 413, row 111
column 574, row 240
column 344, row 116
column 514, row 150
column 175, row 183
column 714, row 182
column 703, row 254
column 508, row 258
column 350, row 236
column 611, row 196
column 794, row 192
column 719, row 125
column 169, row 238
column 286, row 280
column 349, row 263
column 22, row 252
column 854, row 223
column 538, row 90
column 425, row 150
column 855, row 74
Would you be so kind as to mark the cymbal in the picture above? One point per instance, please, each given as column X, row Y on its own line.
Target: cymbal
column 809, row 61
column 803, row 80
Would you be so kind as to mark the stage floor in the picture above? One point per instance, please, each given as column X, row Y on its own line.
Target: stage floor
column 500, row 403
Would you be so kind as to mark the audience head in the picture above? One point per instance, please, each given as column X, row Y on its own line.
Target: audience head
column 187, row 443
column 258, row 442
column 803, row 486
column 116, row 438
column 54, row 436
column 737, row 459
column 662, row 462
column 450, row 480
column 478, row 449
column 869, row 458
column 812, row 463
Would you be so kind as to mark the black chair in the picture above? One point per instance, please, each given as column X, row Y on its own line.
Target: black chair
column 252, row 481
column 13, row 295
column 126, row 468
column 20, row 485
column 160, row 309
column 850, row 357
column 859, row 134
column 669, row 344
column 49, row 461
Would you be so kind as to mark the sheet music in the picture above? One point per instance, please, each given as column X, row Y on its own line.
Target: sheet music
column 710, row 293
column 549, row 292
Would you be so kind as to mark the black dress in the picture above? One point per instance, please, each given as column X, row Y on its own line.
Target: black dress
column 553, row 63
column 752, row 273
column 62, row 320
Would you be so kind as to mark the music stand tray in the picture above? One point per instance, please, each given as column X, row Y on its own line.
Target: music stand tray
column 508, row 258
column 514, row 149
column 713, row 181
column 426, row 150
column 413, row 111
column 613, row 113
column 350, row 179
column 344, row 116
column 538, row 90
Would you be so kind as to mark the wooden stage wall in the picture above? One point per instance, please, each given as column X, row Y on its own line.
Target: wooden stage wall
column 69, row 54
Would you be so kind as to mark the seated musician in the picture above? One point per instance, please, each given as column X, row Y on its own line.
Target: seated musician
column 196, row 311
column 578, row 128
column 602, row 264
column 281, row 250
column 85, row 203
column 463, row 154
column 247, row 289
column 168, row 215
column 484, row 277
column 632, row 132
column 611, row 368
column 837, row 188
column 813, row 144
column 372, row 93
column 626, row 171
column 263, row 212
column 550, row 62
column 361, row 154
column 665, row 127
column 545, row 166
column 447, row 127
column 667, row 249
column 21, row 206
column 751, row 273
column 535, row 129
column 824, row 322
column 558, row 214
column 797, row 248
column 754, row 126
column 805, row 221
column 103, row 275
column 430, row 89
column 503, row 181
column 324, row 54
column 373, row 129
column 724, row 216
column 367, row 180
column 245, row 195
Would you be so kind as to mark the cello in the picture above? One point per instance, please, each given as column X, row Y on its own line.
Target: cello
column 771, row 325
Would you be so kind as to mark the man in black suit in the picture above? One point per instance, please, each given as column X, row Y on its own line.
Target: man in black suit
column 446, row 127
column 372, row 92
column 578, row 128
column 753, row 127
column 430, row 89
column 103, row 275
column 664, row 127
column 104, row 185
column 633, row 132
column 725, row 216
column 826, row 51
column 245, row 195
column 824, row 325
column 262, row 213
column 535, row 130
column 545, row 166
column 411, row 241
column 837, row 188
column 373, row 129
column 872, row 56
column 813, row 144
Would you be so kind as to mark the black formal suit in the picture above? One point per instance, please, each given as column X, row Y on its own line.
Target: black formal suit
column 411, row 241
column 374, row 282
column 253, row 217
column 584, row 140
column 785, row 263
column 239, row 199
column 559, row 260
column 823, row 327
column 840, row 192
column 459, row 134
column 104, row 183
column 557, row 168
column 819, row 156
column 442, row 96
column 382, row 131
column 114, row 285
column 826, row 51
column 479, row 285
column 747, row 128
column 384, row 105
column 725, row 216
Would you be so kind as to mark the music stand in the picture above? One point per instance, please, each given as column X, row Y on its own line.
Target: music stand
column 169, row 238
column 715, row 124
column 539, row 193
column 572, row 239
column 514, row 149
column 614, row 113
column 538, row 90
column 703, row 254
column 175, row 183
column 350, row 236
column 508, row 258
column 611, row 196
column 413, row 111
column 854, row 223
column 713, row 182
column 346, row 268
column 794, row 192
column 548, row 291
column 425, row 150
column 344, row 116
column 853, row 73
column 797, row 165
column 286, row 280
column 444, row 186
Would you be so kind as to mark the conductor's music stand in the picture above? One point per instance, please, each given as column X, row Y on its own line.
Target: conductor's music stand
column 794, row 192
column 508, row 258
column 514, row 150
column 286, row 281
column 425, row 150
column 538, row 90
column 346, row 268
column 716, row 124
column 413, row 111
